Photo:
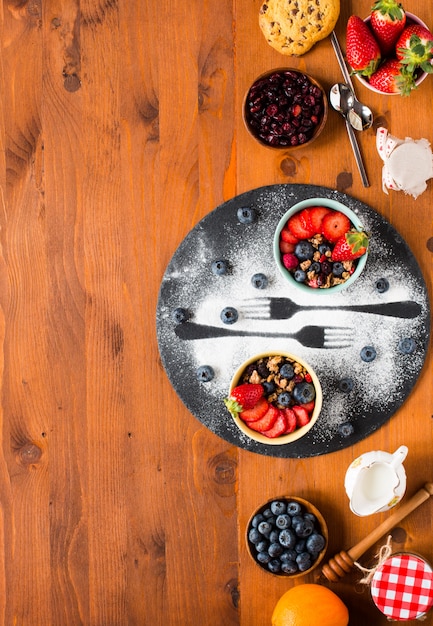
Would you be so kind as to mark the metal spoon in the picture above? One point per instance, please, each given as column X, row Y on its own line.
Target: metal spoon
column 345, row 102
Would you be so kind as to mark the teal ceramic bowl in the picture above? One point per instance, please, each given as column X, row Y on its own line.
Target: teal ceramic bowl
column 335, row 206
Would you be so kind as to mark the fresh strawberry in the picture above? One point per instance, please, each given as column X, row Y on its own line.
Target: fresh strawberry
column 290, row 419
column 286, row 247
column 387, row 21
column 247, row 395
column 302, row 415
column 350, row 246
column 300, row 225
column 334, row 225
column 267, row 421
column 279, row 428
column 414, row 48
column 309, row 406
column 256, row 413
column 362, row 50
column 287, row 235
column 393, row 77
column 317, row 213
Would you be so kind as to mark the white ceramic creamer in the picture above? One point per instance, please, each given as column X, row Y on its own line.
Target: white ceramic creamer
column 376, row 481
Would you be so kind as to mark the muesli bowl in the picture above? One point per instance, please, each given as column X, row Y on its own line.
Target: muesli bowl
column 287, row 536
column 285, row 408
column 306, row 239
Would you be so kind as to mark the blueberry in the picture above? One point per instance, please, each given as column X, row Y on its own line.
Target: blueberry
column 315, row 267
column 368, row 354
column 284, row 398
column 229, row 315
column 304, row 529
column 311, row 517
column 304, row 250
column 303, row 561
column 180, row 315
column 300, row 276
column 220, row 267
column 345, row 384
column 273, row 537
column 382, row 285
column 259, row 281
column 278, row 507
column 304, row 392
column 254, row 536
column 256, row 520
column 407, row 345
column 324, row 248
column 262, row 370
column 267, row 513
column 287, row 371
column 289, row 567
column 262, row 545
column 300, row 546
column 315, row 543
column 246, row 215
column 326, row 268
column 294, row 508
column 283, row 521
column 274, row 566
column 263, row 557
column 264, row 528
column 268, row 387
column 337, row 268
column 288, row 555
column 275, row 549
column 346, row 429
column 287, row 538
column 205, row 373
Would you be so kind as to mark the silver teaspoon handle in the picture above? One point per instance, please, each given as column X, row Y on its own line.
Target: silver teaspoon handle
column 340, row 58
column 357, row 153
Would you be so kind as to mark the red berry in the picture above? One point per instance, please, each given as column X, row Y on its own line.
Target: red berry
column 267, row 421
column 334, row 225
column 279, row 428
column 302, row 416
column 387, row 21
column 256, row 413
column 362, row 50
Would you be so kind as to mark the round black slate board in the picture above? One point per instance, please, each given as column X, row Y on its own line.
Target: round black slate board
column 379, row 387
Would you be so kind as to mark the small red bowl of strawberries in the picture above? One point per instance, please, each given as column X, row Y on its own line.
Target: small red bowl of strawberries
column 320, row 246
column 391, row 50
column 275, row 398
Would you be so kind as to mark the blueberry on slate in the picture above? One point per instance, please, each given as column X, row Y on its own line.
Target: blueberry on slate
column 304, row 250
column 220, row 267
column 246, row 215
column 303, row 561
column 180, row 315
column 278, row 507
column 268, row 387
column 229, row 315
column 304, row 393
column 407, row 345
column 382, row 285
column 205, row 373
column 345, row 384
column 283, row 521
column 284, row 398
column 287, row 371
column 300, row 276
column 254, row 536
column 346, row 429
column 259, row 281
column 337, row 268
column 368, row 354
column 294, row 508
column 315, row 543
column 287, row 538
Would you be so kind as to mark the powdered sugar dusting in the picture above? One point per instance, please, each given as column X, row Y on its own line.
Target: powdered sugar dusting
column 379, row 387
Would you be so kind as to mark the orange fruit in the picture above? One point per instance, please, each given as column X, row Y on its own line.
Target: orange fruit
column 310, row 605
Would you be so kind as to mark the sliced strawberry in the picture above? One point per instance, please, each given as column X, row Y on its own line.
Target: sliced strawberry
column 300, row 225
column 279, row 428
column 334, row 225
column 287, row 235
column 256, row 413
column 291, row 420
column 317, row 214
column 302, row 415
column 286, row 247
column 266, row 422
column 309, row 406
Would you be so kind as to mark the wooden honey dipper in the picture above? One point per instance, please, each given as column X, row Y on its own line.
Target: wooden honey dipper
column 342, row 563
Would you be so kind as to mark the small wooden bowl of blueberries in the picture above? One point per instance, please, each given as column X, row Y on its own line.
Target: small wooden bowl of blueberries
column 287, row 536
column 285, row 108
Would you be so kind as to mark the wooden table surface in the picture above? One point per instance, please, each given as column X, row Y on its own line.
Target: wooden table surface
column 121, row 128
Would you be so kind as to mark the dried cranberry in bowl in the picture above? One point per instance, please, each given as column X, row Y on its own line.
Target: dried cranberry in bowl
column 285, row 108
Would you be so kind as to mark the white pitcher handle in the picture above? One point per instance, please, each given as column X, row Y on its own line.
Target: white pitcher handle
column 399, row 456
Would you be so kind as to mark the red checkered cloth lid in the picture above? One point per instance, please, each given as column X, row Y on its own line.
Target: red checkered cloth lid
column 402, row 587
